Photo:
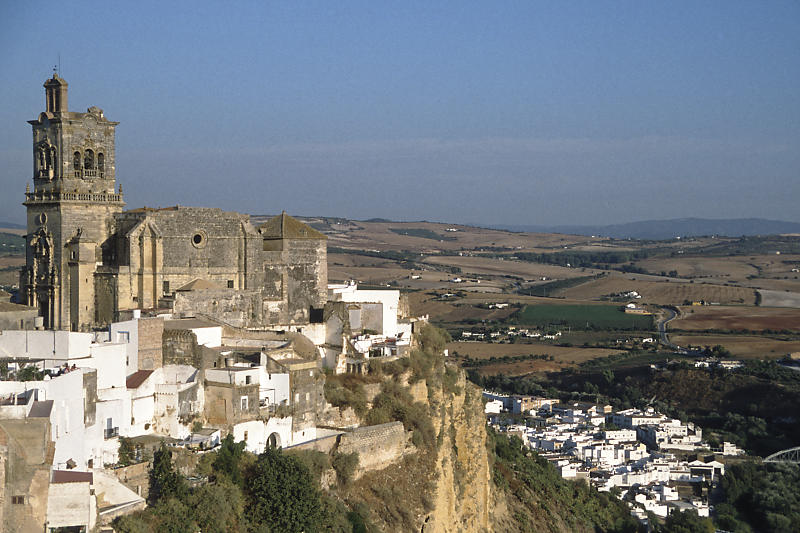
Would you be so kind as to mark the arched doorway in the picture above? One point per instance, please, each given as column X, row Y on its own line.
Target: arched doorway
column 274, row 441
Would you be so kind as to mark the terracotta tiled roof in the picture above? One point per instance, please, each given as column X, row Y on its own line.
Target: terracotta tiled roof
column 70, row 476
column 136, row 379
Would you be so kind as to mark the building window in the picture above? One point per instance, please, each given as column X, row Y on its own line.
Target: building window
column 18, row 500
column 101, row 162
column 76, row 161
column 165, row 287
column 199, row 239
column 247, row 380
column 230, row 283
column 245, row 436
column 88, row 160
column 244, row 403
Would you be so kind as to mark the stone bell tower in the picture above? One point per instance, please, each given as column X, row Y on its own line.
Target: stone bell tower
column 70, row 210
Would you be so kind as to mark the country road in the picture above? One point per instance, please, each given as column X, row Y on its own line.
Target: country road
column 662, row 328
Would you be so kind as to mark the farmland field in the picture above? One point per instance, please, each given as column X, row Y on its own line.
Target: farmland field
column 737, row 318
column 743, row 346
column 498, row 267
column 562, row 356
column 660, row 292
column 582, row 317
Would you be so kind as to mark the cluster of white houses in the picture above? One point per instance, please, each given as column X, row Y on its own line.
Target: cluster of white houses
column 632, row 449
column 66, row 398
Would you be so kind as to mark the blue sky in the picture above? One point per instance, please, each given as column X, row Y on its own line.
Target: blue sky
column 475, row 112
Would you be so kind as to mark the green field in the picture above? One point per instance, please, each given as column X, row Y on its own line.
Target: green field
column 422, row 233
column 11, row 244
column 585, row 317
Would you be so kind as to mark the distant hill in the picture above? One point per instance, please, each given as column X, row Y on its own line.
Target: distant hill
column 668, row 229
column 11, row 225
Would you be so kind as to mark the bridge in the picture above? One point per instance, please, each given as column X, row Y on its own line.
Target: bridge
column 792, row 455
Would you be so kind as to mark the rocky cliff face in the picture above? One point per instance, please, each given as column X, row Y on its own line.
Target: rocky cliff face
column 463, row 493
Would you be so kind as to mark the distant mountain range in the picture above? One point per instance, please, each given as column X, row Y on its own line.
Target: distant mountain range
column 668, row 229
column 11, row 225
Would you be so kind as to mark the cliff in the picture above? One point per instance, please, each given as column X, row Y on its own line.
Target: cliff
column 463, row 493
column 454, row 475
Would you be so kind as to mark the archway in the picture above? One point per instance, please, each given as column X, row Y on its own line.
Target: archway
column 274, row 441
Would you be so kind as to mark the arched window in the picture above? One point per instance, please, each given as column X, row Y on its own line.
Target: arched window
column 101, row 161
column 53, row 162
column 41, row 159
column 76, row 161
column 88, row 160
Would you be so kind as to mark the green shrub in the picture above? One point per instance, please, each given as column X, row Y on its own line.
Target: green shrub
column 345, row 465
column 343, row 394
column 396, row 403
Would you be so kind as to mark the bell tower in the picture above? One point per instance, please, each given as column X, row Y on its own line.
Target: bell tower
column 70, row 210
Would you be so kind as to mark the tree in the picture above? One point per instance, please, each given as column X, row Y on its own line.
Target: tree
column 282, row 494
column 165, row 482
column 127, row 452
column 686, row 522
column 174, row 516
column 228, row 458
column 218, row 507
column 30, row 373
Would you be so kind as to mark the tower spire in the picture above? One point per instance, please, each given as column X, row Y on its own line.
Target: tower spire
column 56, row 93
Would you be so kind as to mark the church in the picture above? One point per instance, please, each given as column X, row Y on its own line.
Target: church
column 88, row 261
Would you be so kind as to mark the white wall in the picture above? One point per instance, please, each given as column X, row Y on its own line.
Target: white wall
column 233, row 377
column 211, row 336
column 281, row 426
column 255, row 431
column 389, row 300
column 273, row 387
column 128, row 332
column 70, row 504
column 109, row 360
column 50, row 345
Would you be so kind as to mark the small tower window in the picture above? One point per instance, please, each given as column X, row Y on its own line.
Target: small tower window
column 101, row 162
column 88, row 160
column 76, row 161
column 199, row 239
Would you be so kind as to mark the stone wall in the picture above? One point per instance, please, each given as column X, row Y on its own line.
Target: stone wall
column 238, row 308
column 151, row 333
column 135, row 477
column 377, row 446
column 179, row 347
column 26, row 455
column 223, row 403
column 13, row 316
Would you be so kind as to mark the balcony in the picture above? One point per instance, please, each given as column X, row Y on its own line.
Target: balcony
column 88, row 173
column 110, row 433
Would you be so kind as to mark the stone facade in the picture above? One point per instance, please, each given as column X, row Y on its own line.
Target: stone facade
column 26, row 453
column 88, row 261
